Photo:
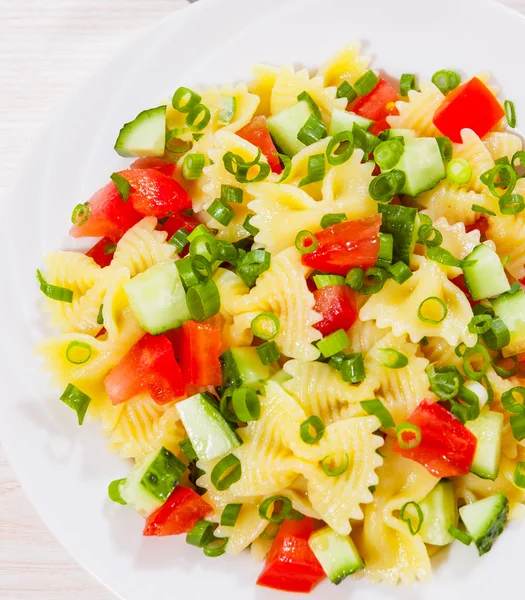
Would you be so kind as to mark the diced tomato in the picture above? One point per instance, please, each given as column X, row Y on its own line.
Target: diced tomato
column 201, row 347
column 291, row 566
column 178, row 514
column 176, row 222
column 447, row 447
column 164, row 166
column 471, row 105
column 379, row 126
column 102, row 252
column 379, row 103
column 346, row 245
column 481, row 224
column 108, row 215
column 154, row 194
column 459, row 282
column 337, row 304
column 149, row 366
column 256, row 132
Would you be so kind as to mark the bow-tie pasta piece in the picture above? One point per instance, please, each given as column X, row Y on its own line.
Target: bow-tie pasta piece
column 418, row 111
column 501, row 144
column 345, row 65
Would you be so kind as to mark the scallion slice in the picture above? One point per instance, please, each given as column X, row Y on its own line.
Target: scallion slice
column 78, row 353
column 497, row 336
column 198, row 231
column 400, row 272
column 114, row 491
column 445, row 147
column 185, row 99
column 110, row 248
column 306, row 242
column 388, row 154
column 80, row 214
column 268, row 352
column 406, row 518
column 510, row 113
column 429, row 236
column 519, row 474
column 285, row 507
column 446, row 80
column 340, row 148
column 459, row 350
column 203, row 300
column 225, row 406
column 227, row 108
column 201, row 533
column 385, row 186
column 355, row 278
column 122, row 185
column 287, row 166
column 198, row 117
column 392, row 359
column 366, row 83
column 407, row 83
column 480, row 350
column 246, row 404
column 444, row 381
column 174, row 144
column 480, row 324
column 377, row 409
column 265, row 326
column 442, row 256
column 332, row 219
column 374, row 280
column 481, row 209
column 305, row 97
column 460, row 536
column 353, row 368
column 313, row 423
column 222, row 213
column 312, row 131
column 408, row 436
column 364, row 140
column 459, row 172
column 231, row 194
column 230, row 514
column 511, row 204
column 215, row 547
column 316, row 170
column 518, row 157
column 322, row 280
column 77, row 400
column 54, row 291
column 333, row 466
column 252, row 265
column 501, row 175
column 333, row 343
column 179, row 239
column 100, row 316
column 502, row 371
column 345, row 90
column 188, row 273
column 192, row 166
column 226, row 472
column 432, row 310
column 249, row 227
column 237, row 166
column 204, row 245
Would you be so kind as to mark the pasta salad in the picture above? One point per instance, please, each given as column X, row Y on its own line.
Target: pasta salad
column 303, row 320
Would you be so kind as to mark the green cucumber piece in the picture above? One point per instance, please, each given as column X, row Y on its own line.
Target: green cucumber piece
column 285, row 126
column 422, row 164
column 403, row 223
column 145, row 135
column 510, row 307
column 157, row 298
column 337, row 554
column 242, row 366
column 485, row 520
column 485, row 277
column 151, row 481
column 488, row 429
column 342, row 120
column 210, row 434
column 406, row 134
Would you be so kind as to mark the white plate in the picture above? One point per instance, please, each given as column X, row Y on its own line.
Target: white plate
column 65, row 469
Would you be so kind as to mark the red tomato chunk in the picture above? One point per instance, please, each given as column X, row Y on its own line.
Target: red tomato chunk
column 200, row 347
column 378, row 104
column 337, row 304
column 256, row 132
column 102, row 252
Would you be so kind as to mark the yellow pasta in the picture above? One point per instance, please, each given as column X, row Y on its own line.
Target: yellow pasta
column 418, row 111
column 345, row 65
column 474, row 151
column 501, row 144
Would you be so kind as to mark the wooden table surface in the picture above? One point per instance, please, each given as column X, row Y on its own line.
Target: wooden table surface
column 46, row 48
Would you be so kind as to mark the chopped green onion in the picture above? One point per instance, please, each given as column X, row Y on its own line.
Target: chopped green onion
column 511, row 204
column 271, row 531
column 246, row 405
column 480, row 324
column 519, row 474
column 432, row 310
column 377, row 409
column 316, row 170
column 505, row 259
column 174, row 144
column 122, row 185
column 228, row 106
column 53, row 291
column 429, row 236
column 334, row 155
column 333, row 343
column 460, row 536
column 414, row 436
column 114, row 491
column 502, row 371
column 507, row 176
column 198, row 117
column 400, row 272
column 198, row 231
column 420, row 517
column 312, row 131
column 306, row 242
column 510, row 403
column 469, row 411
column 250, row 228
column 520, row 157
column 375, row 279
column 287, row 166
column 192, row 166
column 279, row 516
column 188, row 450
column 459, row 350
column 188, row 272
column 332, row 219
column 78, row 353
column 203, row 300
column 364, row 140
column 445, row 382
column 221, row 212
column 446, row 80
column 238, row 167
column 231, row 194
column 185, row 99
column 305, row 430
column 459, row 172
column 201, row 533
column 225, row 406
column 510, row 113
column 265, row 326
column 80, row 214
column 201, row 267
column 252, row 265
column 345, row 90
column 517, row 424
column 392, row 359
column 385, row 186
column 445, row 147
column 227, row 252
column 100, row 316
column 268, row 353
column 355, row 278
column 481, row 209
column 322, row 280
column 215, row 547
column 442, row 256
column 226, row 472
column 366, row 83
column 330, row 466
column 407, row 83
column 497, row 336
column 230, row 514
column 353, row 368
column 305, row 97
column 477, row 349
column 336, row 361
column 179, row 239
column 388, row 154
column 76, row 400
column 204, row 245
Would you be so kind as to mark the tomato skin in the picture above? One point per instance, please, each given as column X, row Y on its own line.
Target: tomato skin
column 378, row 104
column 153, row 194
column 99, row 252
column 447, row 447
column 176, row 222
column 108, row 216
column 338, row 305
column 346, row 245
column 291, row 566
column 149, row 366
column 481, row 224
column 200, row 345
column 471, row 105
column 163, row 166
column 257, row 133
column 378, row 127
column 178, row 514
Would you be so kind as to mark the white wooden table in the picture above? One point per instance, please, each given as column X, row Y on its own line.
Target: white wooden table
column 46, row 48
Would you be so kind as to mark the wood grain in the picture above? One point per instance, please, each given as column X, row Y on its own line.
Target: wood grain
column 46, row 48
